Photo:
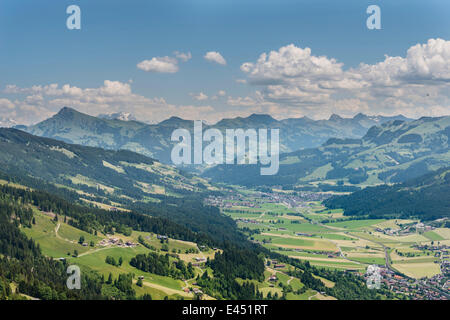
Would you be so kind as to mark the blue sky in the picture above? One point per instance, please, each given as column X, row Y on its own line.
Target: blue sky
column 36, row 49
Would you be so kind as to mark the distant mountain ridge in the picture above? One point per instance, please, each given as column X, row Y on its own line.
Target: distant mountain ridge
column 392, row 152
column 153, row 140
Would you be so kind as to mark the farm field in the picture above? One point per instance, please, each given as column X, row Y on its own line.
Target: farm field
column 311, row 233
column 355, row 224
column 418, row 270
column 308, row 233
column 284, row 241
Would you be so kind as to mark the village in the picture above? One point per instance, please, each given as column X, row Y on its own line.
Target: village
column 291, row 200
column 412, row 227
column 251, row 209
column 436, row 288
column 112, row 241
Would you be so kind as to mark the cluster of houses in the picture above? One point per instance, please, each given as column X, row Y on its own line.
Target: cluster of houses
column 445, row 267
column 231, row 201
column 198, row 259
column 421, row 227
column 434, row 288
column 406, row 229
column 289, row 199
column 276, row 265
column 199, row 262
column 244, row 220
column 329, row 254
column 196, row 291
column 424, row 289
column 439, row 250
column 441, row 280
column 111, row 241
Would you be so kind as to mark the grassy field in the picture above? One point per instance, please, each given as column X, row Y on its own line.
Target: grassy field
column 443, row 232
column 339, row 265
column 59, row 240
column 358, row 240
column 294, row 242
column 355, row 224
column 431, row 235
column 96, row 261
column 418, row 270
column 53, row 244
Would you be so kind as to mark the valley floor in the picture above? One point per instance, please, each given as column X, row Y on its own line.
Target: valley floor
column 413, row 257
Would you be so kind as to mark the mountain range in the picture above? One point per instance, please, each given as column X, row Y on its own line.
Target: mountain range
column 153, row 140
column 392, row 152
column 338, row 153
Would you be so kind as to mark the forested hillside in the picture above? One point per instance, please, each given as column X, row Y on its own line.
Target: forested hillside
column 110, row 179
column 426, row 197
column 23, row 264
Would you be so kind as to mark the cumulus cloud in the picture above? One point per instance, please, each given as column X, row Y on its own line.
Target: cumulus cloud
column 242, row 101
column 423, row 63
column 199, row 96
column 36, row 103
column 294, row 77
column 219, row 94
column 159, row 64
column 183, row 56
column 291, row 62
column 288, row 82
column 164, row 64
column 6, row 104
column 216, row 57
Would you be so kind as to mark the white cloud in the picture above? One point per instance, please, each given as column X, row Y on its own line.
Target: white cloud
column 219, row 94
column 216, row 57
column 164, row 64
column 6, row 104
column 241, row 101
column 295, row 78
column 39, row 102
column 289, row 82
column 291, row 62
column 423, row 63
column 115, row 88
column 159, row 64
column 199, row 96
column 183, row 56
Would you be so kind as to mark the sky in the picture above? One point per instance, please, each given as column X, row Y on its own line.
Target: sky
column 214, row 59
